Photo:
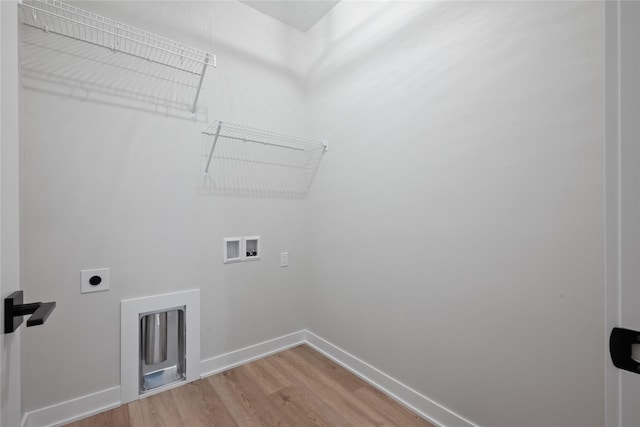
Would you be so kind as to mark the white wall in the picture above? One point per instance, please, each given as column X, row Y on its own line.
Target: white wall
column 456, row 228
column 120, row 186
column 10, row 408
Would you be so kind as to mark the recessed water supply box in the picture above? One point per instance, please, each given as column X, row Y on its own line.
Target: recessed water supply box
column 252, row 248
column 162, row 348
column 232, row 249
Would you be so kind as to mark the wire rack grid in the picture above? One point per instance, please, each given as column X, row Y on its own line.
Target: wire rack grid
column 66, row 20
column 252, row 160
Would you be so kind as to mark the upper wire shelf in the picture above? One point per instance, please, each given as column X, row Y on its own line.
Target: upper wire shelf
column 66, row 20
column 253, row 160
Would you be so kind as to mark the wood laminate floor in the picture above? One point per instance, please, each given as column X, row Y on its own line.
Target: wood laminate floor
column 295, row 388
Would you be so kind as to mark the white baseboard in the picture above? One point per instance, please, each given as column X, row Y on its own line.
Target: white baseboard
column 85, row 406
column 418, row 403
column 230, row 360
column 73, row 410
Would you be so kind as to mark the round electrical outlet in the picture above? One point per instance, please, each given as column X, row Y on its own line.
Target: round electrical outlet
column 94, row 280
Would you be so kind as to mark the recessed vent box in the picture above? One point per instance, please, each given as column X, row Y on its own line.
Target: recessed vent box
column 162, row 348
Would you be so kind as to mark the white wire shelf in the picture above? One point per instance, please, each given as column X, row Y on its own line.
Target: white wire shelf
column 244, row 159
column 69, row 21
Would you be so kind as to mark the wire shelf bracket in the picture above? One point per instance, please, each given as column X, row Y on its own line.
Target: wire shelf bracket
column 66, row 20
column 266, row 160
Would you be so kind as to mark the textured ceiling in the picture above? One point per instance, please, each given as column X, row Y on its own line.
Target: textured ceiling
column 300, row 14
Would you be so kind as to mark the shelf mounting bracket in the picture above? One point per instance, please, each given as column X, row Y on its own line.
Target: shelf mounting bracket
column 195, row 101
column 213, row 147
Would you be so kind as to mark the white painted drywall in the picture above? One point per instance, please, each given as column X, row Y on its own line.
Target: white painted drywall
column 112, row 186
column 10, row 408
column 301, row 15
column 456, row 228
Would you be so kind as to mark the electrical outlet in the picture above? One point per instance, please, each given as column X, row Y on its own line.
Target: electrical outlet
column 284, row 259
column 94, row 280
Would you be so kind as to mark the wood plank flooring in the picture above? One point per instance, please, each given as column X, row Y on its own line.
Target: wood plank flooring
column 295, row 388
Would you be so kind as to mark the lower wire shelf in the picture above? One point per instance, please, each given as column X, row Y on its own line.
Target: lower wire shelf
column 254, row 161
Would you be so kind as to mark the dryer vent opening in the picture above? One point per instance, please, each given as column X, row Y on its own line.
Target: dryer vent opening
column 162, row 348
